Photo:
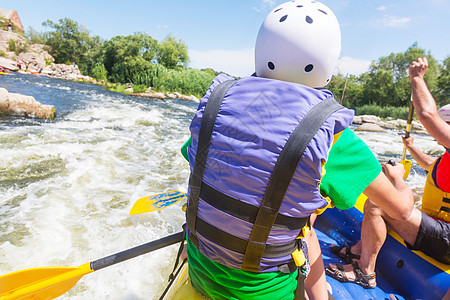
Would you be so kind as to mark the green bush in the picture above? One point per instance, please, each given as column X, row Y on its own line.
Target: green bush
column 12, row 45
column 120, row 88
column 383, row 112
column 99, row 72
column 48, row 61
column 2, row 54
column 188, row 81
column 139, row 88
column 17, row 46
column 142, row 73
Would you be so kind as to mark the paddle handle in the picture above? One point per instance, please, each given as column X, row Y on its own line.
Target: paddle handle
column 408, row 126
column 136, row 251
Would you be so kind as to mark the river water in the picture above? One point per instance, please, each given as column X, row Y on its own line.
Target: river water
column 67, row 185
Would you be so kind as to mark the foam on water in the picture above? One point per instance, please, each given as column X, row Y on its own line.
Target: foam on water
column 68, row 185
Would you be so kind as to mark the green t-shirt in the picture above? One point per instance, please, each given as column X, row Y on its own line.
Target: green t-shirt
column 350, row 168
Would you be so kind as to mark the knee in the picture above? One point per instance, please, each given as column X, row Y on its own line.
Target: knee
column 370, row 208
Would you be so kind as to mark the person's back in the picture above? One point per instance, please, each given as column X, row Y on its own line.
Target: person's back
column 259, row 148
column 237, row 235
column 257, row 117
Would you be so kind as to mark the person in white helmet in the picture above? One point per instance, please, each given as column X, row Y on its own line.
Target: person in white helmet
column 258, row 152
column 428, row 229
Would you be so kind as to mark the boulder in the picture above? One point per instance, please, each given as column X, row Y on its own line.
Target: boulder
column 22, row 105
column 370, row 119
column 357, row 120
column 398, row 124
column 8, row 64
column 156, row 95
column 36, row 61
column 370, row 127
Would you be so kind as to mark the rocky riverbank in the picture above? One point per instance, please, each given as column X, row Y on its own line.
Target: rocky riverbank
column 33, row 58
column 22, row 105
column 162, row 96
column 375, row 124
column 40, row 62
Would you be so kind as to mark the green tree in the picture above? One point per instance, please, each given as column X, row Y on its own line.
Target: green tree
column 99, row 72
column 34, row 36
column 387, row 82
column 69, row 41
column 443, row 84
column 353, row 89
column 119, row 48
column 172, row 53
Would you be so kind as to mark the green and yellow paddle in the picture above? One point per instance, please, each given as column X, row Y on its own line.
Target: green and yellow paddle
column 51, row 282
column 157, row 202
column 405, row 162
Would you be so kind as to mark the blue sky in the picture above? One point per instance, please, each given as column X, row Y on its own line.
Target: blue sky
column 221, row 34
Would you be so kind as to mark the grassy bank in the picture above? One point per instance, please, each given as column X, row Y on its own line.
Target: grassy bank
column 383, row 112
column 159, row 79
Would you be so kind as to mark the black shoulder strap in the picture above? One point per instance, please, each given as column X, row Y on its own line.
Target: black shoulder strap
column 281, row 177
column 204, row 140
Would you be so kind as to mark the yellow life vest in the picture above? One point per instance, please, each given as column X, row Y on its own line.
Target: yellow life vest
column 435, row 202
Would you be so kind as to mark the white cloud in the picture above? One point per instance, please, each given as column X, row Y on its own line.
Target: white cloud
column 241, row 62
column 381, row 8
column 394, row 22
column 265, row 4
column 234, row 62
column 348, row 65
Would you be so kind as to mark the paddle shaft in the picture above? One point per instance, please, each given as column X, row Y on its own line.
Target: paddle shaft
column 408, row 127
column 51, row 282
column 136, row 251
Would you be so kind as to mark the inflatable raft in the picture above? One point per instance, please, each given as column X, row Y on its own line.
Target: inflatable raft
column 401, row 273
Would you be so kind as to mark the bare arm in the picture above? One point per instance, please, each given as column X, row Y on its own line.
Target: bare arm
column 425, row 105
column 423, row 159
column 391, row 193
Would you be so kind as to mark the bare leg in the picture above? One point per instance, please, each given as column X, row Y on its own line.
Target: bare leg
column 406, row 229
column 373, row 235
column 315, row 283
column 447, row 296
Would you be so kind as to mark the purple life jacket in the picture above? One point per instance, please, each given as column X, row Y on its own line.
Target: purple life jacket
column 230, row 199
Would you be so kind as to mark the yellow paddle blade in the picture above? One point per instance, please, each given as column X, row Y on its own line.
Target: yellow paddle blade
column 41, row 283
column 157, row 202
column 407, row 164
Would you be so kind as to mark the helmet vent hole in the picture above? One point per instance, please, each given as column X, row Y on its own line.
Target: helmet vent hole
column 309, row 20
column 322, row 11
column 299, row 6
column 309, row 68
column 283, row 18
column 278, row 10
column 271, row 65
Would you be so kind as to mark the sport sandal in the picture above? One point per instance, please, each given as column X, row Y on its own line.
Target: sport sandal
column 348, row 256
column 360, row 278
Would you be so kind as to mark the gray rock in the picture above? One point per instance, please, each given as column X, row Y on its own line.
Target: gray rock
column 370, row 127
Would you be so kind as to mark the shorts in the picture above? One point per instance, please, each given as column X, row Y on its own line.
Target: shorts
column 433, row 239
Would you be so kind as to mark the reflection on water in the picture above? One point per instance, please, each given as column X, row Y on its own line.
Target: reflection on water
column 67, row 185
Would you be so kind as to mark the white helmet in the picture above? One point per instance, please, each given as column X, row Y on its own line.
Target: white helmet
column 444, row 112
column 299, row 41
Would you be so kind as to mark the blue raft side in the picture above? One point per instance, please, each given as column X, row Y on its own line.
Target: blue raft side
column 400, row 271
